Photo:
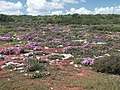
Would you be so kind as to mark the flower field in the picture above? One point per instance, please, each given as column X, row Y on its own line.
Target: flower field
column 53, row 56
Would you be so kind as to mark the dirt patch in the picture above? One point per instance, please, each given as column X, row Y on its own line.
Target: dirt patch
column 53, row 50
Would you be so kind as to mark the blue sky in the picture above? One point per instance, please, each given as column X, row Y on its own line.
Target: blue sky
column 52, row 7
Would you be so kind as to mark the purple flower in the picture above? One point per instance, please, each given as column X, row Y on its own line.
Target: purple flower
column 24, row 36
column 34, row 46
column 88, row 61
column 37, row 48
column 11, row 51
column 67, row 48
column 5, row 39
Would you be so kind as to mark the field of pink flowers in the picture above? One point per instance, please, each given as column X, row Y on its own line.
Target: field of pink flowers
column 60, row 56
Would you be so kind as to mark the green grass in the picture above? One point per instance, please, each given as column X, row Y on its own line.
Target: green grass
column 98, row 82
column 90, row 81
column 19, row 82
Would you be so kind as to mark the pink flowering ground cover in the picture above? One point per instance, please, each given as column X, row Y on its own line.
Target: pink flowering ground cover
column 5, row 39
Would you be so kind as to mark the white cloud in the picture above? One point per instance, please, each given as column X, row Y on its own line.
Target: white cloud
column 10, row 8
column 107, row 10
column 53, row 7
column 81, row 10
column 42, row 7
column 57, row 12
column 73, row 1
column 69, row 1
column 101, row 10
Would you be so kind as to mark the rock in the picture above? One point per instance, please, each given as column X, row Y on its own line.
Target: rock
column 26, row 74
column 2, row 57
column 20, row 68
column 71, row 63
column 3, row 66
column 67, row 56
column 76, row 65
column 22, row 71
column 51, row 88
column 17, row 45
column 9, row 63
column 37, row 71
column 29, row 54
column 46, row 48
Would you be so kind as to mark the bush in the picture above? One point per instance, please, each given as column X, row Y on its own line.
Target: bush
column 77, row 61
column 54, row 57
column 109, row 64
column 38, row 75
column 33, row 64
column 9, row 67
column 72, row 50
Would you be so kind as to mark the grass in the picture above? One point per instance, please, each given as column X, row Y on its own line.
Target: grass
column 90, row 81
column 19, row 82
column 98, row 82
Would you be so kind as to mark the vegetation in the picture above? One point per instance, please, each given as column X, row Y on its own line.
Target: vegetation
column 72, row 52
column 109, row 64
column 65, row 19
column 33, row 64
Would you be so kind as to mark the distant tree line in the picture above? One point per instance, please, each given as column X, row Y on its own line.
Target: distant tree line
column 5, row 18
column 65, row 19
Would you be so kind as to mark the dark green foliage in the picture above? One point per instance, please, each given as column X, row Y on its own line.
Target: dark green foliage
column 5, row 18
column 33, row 64
column 38, row 75
column 64, row 19
column 114, row 28
column 54, row 57
column 74, row 51
column 9, row 66
column 77, row 61
column 107, row 64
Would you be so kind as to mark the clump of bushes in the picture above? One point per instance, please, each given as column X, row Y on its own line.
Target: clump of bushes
column 9, row 67
column 33, row 64
column 54, row 57
column 38, row 74
column 72, row 50
column 77, row 61
column 36, row 68
column 108, row 64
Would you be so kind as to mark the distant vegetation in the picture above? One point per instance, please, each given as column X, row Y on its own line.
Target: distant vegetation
column 66, row 19
column 5, row 18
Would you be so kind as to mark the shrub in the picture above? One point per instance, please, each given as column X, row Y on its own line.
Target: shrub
column 38, row 75
column 77, row 61
column 72, row 50
column 109, row 64
column 54, row 57
column 9, row 67
column 33, row 64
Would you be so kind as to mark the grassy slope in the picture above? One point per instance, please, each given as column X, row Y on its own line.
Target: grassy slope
column 59, row 80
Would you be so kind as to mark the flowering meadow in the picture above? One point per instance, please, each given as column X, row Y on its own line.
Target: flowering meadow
column 45, row 53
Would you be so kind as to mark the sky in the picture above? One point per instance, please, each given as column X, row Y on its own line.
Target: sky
column 59, row 7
